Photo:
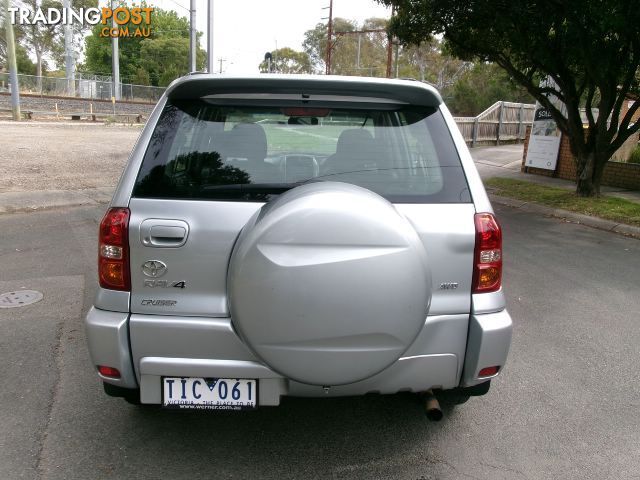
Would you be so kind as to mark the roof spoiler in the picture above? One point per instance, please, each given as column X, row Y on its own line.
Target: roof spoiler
column 305, row 88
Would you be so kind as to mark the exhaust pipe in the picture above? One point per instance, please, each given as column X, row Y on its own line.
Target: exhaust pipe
column 432, row 407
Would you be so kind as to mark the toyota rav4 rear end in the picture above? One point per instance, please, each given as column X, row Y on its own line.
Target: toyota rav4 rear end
column 297, row 235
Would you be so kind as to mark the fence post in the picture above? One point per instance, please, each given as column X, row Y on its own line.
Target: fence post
column 500, row 117
column 474, row 137
column 521, row 118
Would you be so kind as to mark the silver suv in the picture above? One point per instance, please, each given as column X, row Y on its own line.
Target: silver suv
column 302, row 236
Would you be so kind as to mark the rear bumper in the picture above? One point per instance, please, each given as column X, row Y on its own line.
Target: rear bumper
column 449, row 352
column 108, row 341
column 487, row 345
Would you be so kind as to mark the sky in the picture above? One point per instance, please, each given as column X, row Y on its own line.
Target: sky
column 244, row 30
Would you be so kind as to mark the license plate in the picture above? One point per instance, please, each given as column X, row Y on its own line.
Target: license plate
column 209, row 393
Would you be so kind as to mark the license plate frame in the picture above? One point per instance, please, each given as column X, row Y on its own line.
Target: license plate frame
column 238, row 393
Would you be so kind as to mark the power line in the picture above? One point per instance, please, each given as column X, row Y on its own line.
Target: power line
column 185, row 8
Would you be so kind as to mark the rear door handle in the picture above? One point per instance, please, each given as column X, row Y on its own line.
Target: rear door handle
column 158, row 232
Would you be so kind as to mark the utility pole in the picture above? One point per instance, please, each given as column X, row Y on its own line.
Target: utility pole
column 397, row 58
column 221, row 60
column 390, row 48
column 13, row 68
column 192, row 36
column 115, row 58
column 210, row 36
column 69, row 63
column 329, row 38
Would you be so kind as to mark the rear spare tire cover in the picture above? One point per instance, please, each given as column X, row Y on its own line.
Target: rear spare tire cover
column 328, row 284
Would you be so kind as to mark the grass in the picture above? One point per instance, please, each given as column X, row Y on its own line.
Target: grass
column 609, row 208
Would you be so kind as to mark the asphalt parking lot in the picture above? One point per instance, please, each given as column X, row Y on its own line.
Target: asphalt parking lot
column 566, row 405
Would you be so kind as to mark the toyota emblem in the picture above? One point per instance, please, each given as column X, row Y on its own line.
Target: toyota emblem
column 154, row 268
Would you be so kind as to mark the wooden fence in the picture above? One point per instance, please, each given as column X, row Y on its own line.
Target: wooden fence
column 502, row 121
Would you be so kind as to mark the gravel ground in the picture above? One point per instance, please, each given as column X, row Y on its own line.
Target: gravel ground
column 61, row 156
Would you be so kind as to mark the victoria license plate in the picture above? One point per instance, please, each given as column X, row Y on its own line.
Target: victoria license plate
column 209, row 393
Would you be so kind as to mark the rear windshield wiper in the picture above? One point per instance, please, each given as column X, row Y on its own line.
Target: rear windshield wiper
column 269, row 188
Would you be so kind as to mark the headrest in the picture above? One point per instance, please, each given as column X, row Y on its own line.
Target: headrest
column 354, row 140
column 247, row 140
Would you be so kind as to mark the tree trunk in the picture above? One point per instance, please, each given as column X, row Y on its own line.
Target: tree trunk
column 590, row 167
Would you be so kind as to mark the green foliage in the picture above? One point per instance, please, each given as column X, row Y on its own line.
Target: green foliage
column 430, row 62
column 167, row 58
column 634, row 156
column 141, row 77
column 480, row 87
column 23, row 62
column 345, row 60
column 590, row 48
column 3, row 39
column 163, row 56
column 287, row 60
column 47, row 41
column 610, row 208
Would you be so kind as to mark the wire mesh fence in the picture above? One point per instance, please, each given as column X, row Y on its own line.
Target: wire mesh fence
column 90, row 87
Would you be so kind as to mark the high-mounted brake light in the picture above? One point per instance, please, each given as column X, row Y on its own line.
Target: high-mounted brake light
column 113, row 255
column 487, row 268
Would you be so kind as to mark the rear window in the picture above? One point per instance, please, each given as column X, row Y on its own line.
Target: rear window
column 200, row 150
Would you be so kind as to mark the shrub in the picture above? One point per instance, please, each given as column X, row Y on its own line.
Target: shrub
column 634, row 157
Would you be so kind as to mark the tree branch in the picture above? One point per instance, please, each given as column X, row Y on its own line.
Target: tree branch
column 589, row 107
column 626, row 85
column 624, row 131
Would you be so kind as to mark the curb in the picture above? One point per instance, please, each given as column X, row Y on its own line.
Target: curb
column 20, row 202
column 593, row 222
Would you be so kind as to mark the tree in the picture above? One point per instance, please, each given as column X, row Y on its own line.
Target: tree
column 38, row 38
column 167, row 58
column 434, row 65
column 287, row 60
column 590, row 48
column 346, row 57
column 141, row 77
column 164, row 55
column 3, row 39
column 481, row 86
column 315, row 45
column 23, row 62
column 47, row 41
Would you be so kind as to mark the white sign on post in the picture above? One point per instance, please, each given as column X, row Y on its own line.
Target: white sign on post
column 544, row 141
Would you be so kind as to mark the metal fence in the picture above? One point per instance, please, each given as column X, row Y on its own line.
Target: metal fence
column 502, row 121
column 82, row 87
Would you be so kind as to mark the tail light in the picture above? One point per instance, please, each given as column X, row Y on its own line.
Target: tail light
column 113, row 256
column 487, row 269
